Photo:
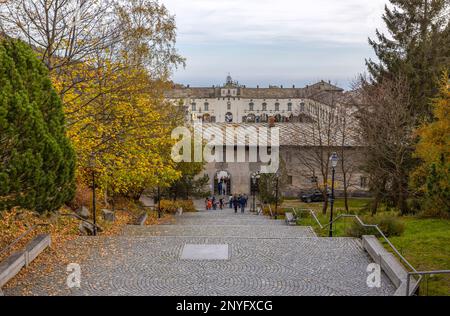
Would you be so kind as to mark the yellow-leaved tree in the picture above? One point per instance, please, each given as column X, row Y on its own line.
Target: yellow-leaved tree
column 123, row 133
column 432, row 177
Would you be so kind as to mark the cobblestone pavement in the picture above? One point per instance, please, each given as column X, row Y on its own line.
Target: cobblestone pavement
column 266, row 258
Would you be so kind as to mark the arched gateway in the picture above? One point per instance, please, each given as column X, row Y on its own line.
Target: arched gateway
column 222, row 183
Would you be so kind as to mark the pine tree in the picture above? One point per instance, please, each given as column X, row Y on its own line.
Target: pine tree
column 418, row 47
column 37, row 162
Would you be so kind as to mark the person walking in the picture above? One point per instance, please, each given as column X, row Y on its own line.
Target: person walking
column 209, row 205
column 235, row 203
column 242, row 202
column 221, row 203
column 214, row 203
column 230, row 201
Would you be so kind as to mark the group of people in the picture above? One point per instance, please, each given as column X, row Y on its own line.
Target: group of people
column 222, row 186
column 211, row 203
column 234, row 201
column 238, row 201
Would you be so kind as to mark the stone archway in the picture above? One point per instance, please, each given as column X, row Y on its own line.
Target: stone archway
column 224, row 178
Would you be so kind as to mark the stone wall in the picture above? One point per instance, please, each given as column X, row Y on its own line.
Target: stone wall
column 299, row 168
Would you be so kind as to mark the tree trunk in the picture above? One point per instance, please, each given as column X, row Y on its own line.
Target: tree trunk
column 346, row 199
column 375, row 203
column 402, row 203
column 345, row 192
column 325, row 204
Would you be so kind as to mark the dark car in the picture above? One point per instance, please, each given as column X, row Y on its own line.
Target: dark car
column 315, row 196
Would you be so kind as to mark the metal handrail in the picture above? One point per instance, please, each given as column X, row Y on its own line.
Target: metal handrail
column 371, row 226
column 81, row 219
column 421, row 273
column 29, row 231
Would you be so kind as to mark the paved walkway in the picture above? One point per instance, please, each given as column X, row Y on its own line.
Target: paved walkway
column 265, row 257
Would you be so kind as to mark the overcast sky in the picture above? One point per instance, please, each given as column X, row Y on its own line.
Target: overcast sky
column 280, row 42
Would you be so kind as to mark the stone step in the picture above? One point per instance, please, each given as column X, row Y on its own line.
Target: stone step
column 241, row 231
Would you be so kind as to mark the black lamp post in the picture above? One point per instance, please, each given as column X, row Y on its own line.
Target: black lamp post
column 92, row 166
column 334, row 160
column 159, row 202
column 255, row 177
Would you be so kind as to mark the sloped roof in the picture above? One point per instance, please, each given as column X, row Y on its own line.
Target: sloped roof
column 291, row 134
column 253, row 93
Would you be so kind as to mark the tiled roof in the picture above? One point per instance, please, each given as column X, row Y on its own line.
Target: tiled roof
column 291, row 134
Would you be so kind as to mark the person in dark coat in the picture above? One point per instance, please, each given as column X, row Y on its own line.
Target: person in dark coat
column 235, row 203
column 242, row 203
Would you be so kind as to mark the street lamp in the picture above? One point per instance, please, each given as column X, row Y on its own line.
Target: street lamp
column 92, row 166
column 255, row 178
column 334, row 161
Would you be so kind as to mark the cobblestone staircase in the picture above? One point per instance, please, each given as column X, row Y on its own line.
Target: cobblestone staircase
column 265, row 257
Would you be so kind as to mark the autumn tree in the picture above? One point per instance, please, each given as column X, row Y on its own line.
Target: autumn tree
column 110, row 62
column 62, row 32
column 432, row 177
column 37, row 161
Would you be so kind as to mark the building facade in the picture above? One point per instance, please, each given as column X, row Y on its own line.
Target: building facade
column 304, row 118
column 234, row 103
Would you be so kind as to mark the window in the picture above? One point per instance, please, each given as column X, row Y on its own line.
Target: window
column 229, row 106
column 314, row 179
column 251, row 106
column 194, row 107
column 277, row 106
column 289, row 106
column 363, row 182
column 206, row 106
column 302, row 107
column 289, row 180
column 264, row 106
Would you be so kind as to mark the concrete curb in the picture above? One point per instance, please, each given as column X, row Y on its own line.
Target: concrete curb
column 388, row 263
column 15, row 262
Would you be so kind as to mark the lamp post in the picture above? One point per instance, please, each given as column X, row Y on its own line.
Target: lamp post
column 255, row 177
column 159, row 202
column 334, row 161
column 92, row 166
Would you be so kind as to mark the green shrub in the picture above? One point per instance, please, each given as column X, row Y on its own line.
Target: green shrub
column 390, row 225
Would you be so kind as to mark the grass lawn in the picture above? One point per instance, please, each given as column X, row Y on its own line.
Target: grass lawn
column 425, row 242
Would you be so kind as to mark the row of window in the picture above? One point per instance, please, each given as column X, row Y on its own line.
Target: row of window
column 251, row 106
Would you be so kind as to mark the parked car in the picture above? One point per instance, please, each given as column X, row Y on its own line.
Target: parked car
column 316, row 196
